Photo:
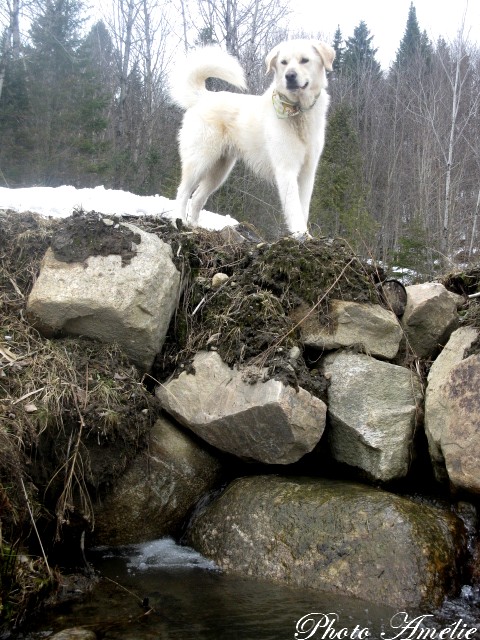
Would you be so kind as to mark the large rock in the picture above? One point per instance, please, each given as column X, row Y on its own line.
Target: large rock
column 75, row 633
column 369, row 327
column 452, row 412
column 372, row 408
column 153, row 498
column 430, row 317
column 130, row 304
column 332, row 536
column 262, row 421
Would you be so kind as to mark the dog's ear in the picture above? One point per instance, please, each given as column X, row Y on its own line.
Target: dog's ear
column 327, row 54
column 271, row 59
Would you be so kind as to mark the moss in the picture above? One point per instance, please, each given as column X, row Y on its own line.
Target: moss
column 316, row 268
column 465, row 282
column 249, row 319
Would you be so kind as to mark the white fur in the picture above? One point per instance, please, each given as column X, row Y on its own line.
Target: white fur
column 220, row 127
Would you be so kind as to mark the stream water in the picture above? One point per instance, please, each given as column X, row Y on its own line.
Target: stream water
column 162, row 591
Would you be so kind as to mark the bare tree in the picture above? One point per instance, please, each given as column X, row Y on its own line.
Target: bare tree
column 241, row 24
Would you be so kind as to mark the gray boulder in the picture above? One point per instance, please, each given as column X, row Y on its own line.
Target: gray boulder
column 369, row 327
column 153, row 498
column 334, row 536
column 267, row 421
column 372, row 408
column 452, row 413
column 430, row 317
column 128, row 304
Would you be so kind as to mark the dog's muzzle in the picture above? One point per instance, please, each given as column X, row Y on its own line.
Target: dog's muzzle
column 291, row 81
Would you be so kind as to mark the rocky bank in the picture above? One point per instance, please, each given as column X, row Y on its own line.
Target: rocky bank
column 324, row 417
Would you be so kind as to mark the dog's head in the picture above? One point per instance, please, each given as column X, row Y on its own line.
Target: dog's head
column 299, row 67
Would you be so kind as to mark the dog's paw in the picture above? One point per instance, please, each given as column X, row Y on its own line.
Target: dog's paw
column 301, row 236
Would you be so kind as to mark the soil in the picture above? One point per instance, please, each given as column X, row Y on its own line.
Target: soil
column 250, row 318
column 93, row 234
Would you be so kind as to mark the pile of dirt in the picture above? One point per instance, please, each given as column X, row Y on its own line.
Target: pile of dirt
column 249, row 318
column 91, row 234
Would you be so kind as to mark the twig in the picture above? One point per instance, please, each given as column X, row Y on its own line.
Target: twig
column 27, row 395
column 36, row 530
column 204, row 299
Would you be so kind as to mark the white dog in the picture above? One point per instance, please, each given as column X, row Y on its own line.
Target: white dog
column 280, row 134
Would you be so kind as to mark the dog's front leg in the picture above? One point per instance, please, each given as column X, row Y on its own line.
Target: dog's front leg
column 290, row 200
column 306, row 182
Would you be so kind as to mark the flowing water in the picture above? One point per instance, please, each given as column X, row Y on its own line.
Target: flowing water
column 162, row 591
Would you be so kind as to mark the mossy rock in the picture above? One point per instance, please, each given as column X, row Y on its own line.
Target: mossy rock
column 333, row 536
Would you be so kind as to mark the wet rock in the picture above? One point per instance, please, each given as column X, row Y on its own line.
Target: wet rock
column 430, row 317
column 75, row 633
column 267, row 421
column 452, row 413
column 334, row 536
column 128, row 302
column 155, row 495
column 372, row 407
column 369, row 327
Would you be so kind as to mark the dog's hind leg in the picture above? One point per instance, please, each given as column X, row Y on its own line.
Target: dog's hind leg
column 189, row 181
column 210, row 182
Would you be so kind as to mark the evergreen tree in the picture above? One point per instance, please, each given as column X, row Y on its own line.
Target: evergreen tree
column 14, row 112
column 53, row 77
column 414, row 46
column 95, row 97
column 339, row 49
column 359, row 56
column 339, row 199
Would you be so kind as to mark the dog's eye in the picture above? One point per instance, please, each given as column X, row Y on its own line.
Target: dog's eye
column 304, row 61
column 283, row 62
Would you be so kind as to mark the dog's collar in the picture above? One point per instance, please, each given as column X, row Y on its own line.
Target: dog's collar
column 286, row 108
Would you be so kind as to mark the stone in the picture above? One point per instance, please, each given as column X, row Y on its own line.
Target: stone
column 429, row 318
column 372, row 409
column 128, row 304
column 219, row 279
column 333, row 536
column 74, row 633
column 452, row 413
column 394, row 295
column 369, row 327
column 267, row 422
column 157, row 493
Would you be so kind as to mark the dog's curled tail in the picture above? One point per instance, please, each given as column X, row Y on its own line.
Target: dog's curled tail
column 187, row 83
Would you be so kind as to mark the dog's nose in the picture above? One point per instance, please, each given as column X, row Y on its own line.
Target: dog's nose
column 291, row 76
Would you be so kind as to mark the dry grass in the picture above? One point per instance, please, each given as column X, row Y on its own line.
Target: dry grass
column 73, row 413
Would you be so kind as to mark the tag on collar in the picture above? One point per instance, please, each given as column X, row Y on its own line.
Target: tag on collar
column 285, row 108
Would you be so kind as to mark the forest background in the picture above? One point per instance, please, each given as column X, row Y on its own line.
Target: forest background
column 89, row 105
